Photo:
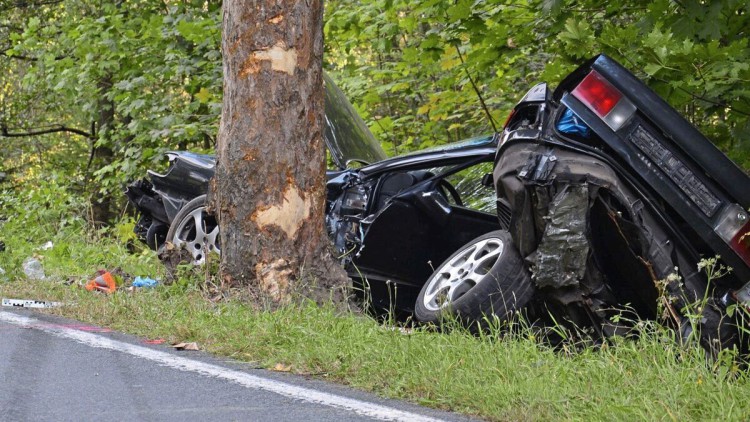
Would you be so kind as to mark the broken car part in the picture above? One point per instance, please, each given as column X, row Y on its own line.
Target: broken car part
column 635, row 199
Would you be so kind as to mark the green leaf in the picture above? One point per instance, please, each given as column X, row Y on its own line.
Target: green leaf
column 460, row 10
column 653, row 68
column 552, row 7
column 33, row 24
column 203, row 95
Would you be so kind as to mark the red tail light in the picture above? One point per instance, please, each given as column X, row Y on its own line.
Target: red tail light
column 605, row 100
column 734, row 227
column 597, row 94
column 741, row 243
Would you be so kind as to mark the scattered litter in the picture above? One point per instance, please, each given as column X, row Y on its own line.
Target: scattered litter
column 155, row 341
column 186, row 346
column 402, row 330
column 103, row 282
column 280, row 367
column 2, row 271
column 32, row 267
column 26, row 303
column 144, row 282
column 47, row 246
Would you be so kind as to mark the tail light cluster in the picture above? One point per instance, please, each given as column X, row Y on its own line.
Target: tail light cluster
column 734, row 228
column 605, row 100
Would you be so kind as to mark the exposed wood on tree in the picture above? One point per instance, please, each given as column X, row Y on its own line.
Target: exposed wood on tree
column 269, row 190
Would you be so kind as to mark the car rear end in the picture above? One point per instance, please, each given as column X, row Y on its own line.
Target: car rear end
column 614, row 199
column 704, row 194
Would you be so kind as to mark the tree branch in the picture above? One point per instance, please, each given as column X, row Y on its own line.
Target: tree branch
column 4, row 52
column 476, row 90
column 22, row 4
column 5, row 133
column 713, row 102
column 17, row 56
column 695, row 96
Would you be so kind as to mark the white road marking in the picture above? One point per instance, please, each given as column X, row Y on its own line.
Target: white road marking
column 250, row 381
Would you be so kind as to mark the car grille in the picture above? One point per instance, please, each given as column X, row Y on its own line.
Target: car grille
column 503, row 213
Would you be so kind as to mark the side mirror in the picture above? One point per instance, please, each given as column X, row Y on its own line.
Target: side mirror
column 434, row 205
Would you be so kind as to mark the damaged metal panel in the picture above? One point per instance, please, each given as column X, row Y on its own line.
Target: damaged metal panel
column 561, row 257
column 539, row 167
column 536, row 202
column 523, row 175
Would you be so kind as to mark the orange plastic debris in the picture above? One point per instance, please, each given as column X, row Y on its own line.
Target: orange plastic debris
column 103, row 282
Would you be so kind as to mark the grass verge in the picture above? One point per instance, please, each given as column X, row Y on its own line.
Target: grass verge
column 495, row 377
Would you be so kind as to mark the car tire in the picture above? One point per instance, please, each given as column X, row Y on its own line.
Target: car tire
column 195, row 231
column 484, row 278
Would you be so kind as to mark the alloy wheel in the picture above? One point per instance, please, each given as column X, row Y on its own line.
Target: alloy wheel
column 457, row 276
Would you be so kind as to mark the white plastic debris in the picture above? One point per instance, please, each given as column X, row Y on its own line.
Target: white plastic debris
column 47, row 246
column 26, row 303
column 32, row 267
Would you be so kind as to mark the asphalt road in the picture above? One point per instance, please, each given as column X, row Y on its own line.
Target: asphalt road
column 53, row 369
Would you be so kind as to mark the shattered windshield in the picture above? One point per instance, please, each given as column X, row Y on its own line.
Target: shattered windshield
column 347, row 136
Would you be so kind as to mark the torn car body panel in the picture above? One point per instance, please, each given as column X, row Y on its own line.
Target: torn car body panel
column 560, row 259
column 669, row 157
column 393, row 221
column 582, row 227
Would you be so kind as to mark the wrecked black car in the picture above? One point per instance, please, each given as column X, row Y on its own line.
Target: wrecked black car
column 391, row 220
column 596, row 199
column 613, row 201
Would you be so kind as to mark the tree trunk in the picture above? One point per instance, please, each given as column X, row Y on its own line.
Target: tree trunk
column 269, row 192
column 101, row 205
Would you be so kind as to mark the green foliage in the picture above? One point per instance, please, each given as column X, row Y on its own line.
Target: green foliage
column 420, row 73
column 50, row 213
column 156, row 69
column 413, row 80
column 417, row 82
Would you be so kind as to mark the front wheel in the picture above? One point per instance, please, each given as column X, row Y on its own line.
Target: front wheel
column 485, row 277
column 196, row 231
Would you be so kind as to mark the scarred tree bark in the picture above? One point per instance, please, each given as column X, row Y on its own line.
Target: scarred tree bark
column 270, row 178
